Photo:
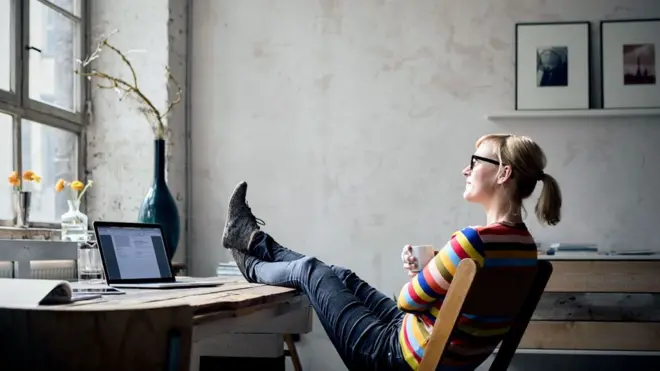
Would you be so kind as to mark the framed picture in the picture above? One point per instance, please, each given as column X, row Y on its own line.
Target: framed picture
column 630, row 60
column 552, row 66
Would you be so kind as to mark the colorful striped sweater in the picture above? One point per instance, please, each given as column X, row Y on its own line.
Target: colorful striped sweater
column 475, row 337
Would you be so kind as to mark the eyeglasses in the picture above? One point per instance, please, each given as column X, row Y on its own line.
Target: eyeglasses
column 474, row 158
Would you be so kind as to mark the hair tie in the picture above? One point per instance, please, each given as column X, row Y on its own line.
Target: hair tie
column 541, row 176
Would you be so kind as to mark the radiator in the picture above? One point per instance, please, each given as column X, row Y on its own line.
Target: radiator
column 51, row 269
column 47, row 270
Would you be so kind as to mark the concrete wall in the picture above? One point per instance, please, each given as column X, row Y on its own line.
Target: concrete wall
column 120, row 142
column 351, row 121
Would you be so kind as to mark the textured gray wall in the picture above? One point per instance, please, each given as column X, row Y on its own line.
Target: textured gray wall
column 120, row 142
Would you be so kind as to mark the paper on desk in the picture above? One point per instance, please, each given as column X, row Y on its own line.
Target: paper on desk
column 21, row 293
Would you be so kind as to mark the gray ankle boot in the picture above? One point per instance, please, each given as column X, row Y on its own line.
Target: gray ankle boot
column 241, row 223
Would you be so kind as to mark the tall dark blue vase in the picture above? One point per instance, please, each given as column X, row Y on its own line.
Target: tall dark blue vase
column 158, row 206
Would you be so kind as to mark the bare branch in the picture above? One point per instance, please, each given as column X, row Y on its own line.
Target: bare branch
column 124, row 59
column 179, row 92
column 131, row 90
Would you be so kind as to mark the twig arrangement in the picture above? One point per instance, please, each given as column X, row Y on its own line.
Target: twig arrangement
column 130, row 89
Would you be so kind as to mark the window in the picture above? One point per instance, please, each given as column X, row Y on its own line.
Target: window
column 6, row 162
column 5, row 46
column 41, row 99
column 53, row 37
column 53, row 154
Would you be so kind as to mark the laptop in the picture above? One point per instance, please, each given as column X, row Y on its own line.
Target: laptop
column 134, row 255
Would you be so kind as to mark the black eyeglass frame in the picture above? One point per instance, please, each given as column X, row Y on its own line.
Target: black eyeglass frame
column 484, row 159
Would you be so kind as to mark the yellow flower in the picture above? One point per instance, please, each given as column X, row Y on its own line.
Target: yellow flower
column 77, row 185
column 78, row 188
column 28, row 175
column 59, row 186
column 14, row 180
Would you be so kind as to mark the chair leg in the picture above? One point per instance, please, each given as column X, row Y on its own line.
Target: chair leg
column 293, row 353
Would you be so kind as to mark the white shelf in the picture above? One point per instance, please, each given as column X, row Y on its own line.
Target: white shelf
column 575, row 114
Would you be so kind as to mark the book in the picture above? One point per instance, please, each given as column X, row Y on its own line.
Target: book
column 18, row 292
column 228, row 269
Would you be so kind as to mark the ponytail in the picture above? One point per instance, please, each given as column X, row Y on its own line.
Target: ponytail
column 548, row 206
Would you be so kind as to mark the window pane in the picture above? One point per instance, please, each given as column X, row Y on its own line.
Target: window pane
column 52, row 80
column 71, row 6
column 53, row 154
column 6, row 163
column 6, row 52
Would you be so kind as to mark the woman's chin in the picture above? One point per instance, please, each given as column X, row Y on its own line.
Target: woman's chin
column 469, row 196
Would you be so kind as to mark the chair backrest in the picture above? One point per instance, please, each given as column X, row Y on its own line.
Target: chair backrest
column 488, row 292
column 78, row 339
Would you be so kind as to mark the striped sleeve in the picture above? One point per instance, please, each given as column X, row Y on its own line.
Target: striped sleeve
column 433, row 281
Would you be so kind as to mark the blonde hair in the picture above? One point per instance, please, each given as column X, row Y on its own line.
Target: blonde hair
column 527, row 162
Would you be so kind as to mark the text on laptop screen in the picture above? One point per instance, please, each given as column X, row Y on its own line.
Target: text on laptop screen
column 133, row 253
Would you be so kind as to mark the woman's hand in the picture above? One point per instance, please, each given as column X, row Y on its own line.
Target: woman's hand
column 409, row 261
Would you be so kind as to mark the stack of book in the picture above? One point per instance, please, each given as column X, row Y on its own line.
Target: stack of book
column 571, row 249
column 228, row 269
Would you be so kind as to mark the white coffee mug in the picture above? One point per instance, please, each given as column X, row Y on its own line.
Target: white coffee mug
column 423, row 254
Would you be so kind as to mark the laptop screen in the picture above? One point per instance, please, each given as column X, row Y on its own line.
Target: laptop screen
column 131, row 253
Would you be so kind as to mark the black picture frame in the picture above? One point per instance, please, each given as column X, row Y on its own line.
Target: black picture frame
column 587, row 65
column 604, row 64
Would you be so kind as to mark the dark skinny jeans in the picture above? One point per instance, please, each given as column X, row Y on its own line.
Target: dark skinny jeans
column 362, row 323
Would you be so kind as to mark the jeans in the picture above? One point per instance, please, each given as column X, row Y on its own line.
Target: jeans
column 362, row 323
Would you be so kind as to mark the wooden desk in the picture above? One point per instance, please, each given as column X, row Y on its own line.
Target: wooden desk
column 237, row 321
column 599, row 303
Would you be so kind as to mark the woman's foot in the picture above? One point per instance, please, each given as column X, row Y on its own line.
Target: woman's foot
column 241, row 223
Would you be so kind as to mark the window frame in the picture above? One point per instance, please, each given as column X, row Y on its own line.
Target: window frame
column 18, row 104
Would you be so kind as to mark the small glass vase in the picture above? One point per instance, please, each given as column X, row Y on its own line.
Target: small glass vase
column 74, row 223
column 21, row 205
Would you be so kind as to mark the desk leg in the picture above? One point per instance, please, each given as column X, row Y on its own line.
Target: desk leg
column 194, row 358
column 238, row 351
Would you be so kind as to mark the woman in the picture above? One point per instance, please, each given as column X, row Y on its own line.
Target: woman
column 371, row 331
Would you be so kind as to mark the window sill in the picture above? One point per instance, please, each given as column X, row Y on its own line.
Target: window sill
column 31, row 233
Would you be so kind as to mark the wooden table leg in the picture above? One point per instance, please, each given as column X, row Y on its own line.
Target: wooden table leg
column 293, row 353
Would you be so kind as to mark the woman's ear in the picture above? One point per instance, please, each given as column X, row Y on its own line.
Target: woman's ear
column 504, row 174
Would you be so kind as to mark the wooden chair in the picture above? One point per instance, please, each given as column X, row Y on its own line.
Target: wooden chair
column 48, row 338
column 493, row 292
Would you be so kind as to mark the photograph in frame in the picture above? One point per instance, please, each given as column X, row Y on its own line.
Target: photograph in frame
column 552, row 66
column 629, row 59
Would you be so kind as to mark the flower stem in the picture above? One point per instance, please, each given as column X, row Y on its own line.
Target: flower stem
column 89, row 184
